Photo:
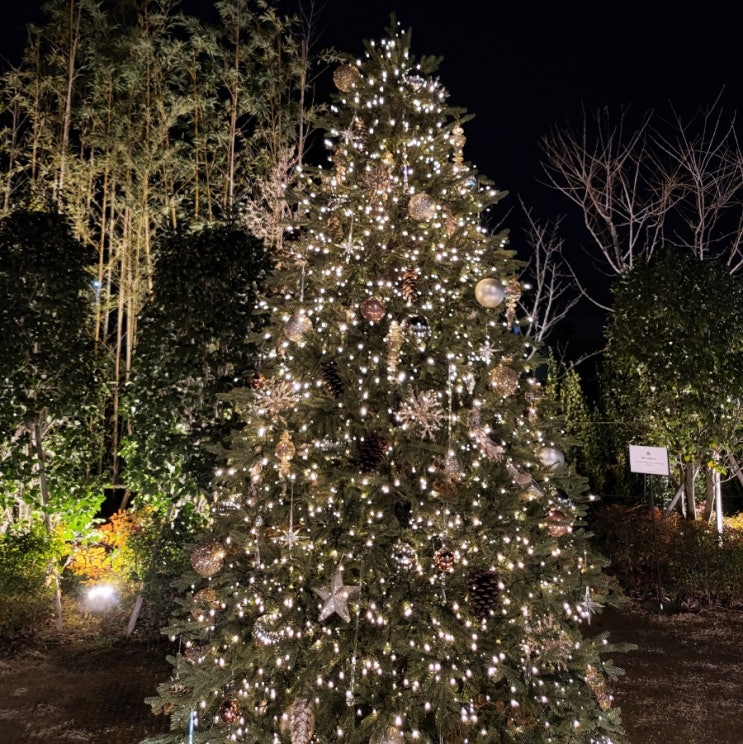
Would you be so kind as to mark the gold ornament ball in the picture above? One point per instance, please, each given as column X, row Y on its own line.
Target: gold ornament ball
column 391, row 735
column 229, row 711
column 297, row 326
column 489, row 292
column 557, row 523
column 207, row 558
column 503, row 380
column 372, row 309
column 204, row 600
column 422, row 207
column 345, row 77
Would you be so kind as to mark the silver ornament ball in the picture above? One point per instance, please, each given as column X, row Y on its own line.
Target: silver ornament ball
column 489, row 292
column 550, row 457
column 297, row 326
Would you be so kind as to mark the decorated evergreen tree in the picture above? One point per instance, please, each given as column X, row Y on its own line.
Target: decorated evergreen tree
column 398, row 554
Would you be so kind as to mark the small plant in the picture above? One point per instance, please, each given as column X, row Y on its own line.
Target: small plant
column 26, row 586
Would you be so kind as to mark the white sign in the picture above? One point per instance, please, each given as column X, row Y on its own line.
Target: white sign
column 650, row 460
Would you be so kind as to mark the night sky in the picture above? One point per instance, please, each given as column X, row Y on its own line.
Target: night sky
column 521, row 67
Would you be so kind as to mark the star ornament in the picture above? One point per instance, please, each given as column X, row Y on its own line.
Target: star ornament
column 335, row 597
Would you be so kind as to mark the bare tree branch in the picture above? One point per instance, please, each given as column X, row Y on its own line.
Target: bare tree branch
column 705, row 155
column 549, row 277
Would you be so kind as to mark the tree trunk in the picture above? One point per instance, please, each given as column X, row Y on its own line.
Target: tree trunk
column 709, row 504
column 43, row 487
column 691, row 507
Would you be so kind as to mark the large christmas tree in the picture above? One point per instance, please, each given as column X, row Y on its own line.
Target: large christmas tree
column 398, row 554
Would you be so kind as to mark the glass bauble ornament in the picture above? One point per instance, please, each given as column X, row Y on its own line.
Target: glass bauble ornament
column 558, row 524
column 372, row 309
column 503, row 380
column 489, row 292
column 297, row 326
column 404, row 555
column 229, row 711
column 550, row 456
column 346, row 77
column 418, row 327
column 422, row 207
column 207, row 558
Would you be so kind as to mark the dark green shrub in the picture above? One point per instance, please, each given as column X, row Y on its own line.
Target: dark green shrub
column 686, row 560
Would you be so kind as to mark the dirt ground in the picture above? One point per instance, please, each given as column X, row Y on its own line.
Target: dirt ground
column 683, row 685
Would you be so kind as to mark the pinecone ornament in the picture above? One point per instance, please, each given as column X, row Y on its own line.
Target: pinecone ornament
column 484, row 593
column 299, row 720
column 332, row 379
column 371, row 451
column 410, row 287
column 597, row 684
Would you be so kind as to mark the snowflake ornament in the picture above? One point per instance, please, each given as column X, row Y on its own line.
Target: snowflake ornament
column 487, row 351
column 422, row 412
column 274, row 397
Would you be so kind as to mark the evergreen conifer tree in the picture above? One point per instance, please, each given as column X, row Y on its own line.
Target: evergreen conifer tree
column 399, row 554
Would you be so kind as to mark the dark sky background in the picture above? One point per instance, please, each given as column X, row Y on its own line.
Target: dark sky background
column 521, row 67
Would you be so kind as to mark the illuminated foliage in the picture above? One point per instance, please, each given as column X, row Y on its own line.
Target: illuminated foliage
column 674, row 361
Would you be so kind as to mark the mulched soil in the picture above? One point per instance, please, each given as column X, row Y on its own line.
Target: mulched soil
column 683, row 684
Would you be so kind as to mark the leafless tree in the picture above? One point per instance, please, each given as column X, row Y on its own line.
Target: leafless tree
column 661, row 181
column 553, row 290
column 705, row 157
column 608, row 170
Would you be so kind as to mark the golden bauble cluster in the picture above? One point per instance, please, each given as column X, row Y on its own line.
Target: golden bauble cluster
column 346, row 77
column 422, row 207
column 503, row 380
column 207, row 558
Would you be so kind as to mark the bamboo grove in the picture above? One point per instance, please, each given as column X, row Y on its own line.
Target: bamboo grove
column 132, row 118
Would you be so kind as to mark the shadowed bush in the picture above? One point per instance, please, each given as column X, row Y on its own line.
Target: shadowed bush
column 687, row 560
